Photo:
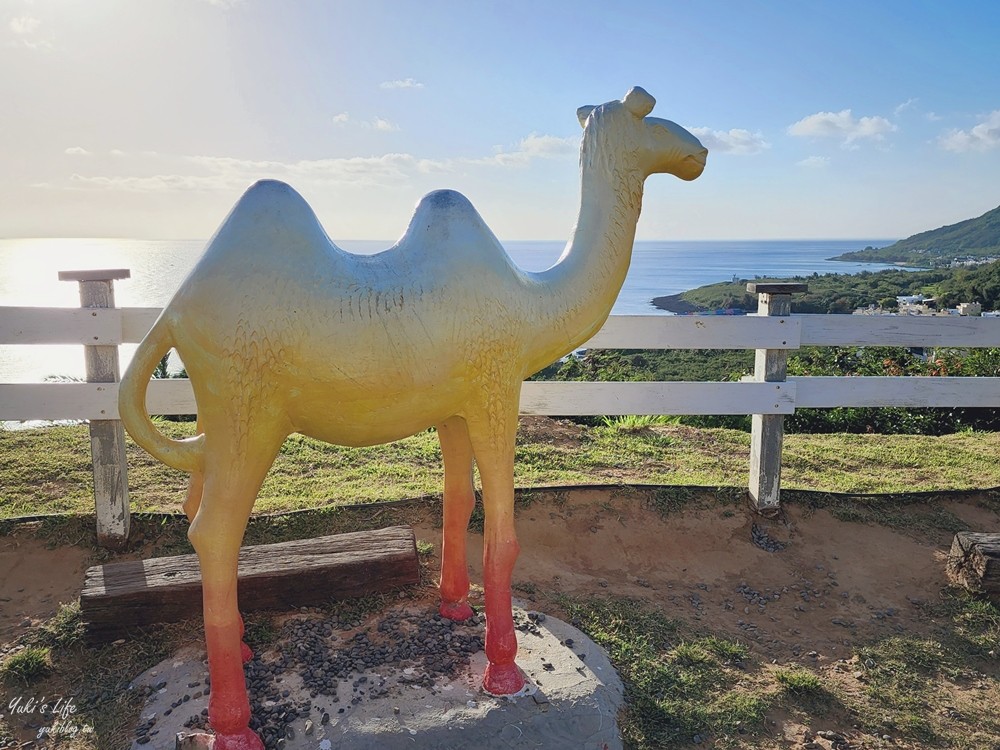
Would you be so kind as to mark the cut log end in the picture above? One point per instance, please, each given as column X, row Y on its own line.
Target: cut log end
column 974, row 563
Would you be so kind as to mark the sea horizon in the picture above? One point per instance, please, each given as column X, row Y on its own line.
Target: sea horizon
column 29, row 267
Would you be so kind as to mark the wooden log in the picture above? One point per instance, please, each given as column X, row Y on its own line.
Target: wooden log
column 307, row 572
column 974, row 562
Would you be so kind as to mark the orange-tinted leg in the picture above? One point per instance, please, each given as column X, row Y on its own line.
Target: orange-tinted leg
column 232, row 479
column 196, row 487
column 459, row 500
column 493, row 444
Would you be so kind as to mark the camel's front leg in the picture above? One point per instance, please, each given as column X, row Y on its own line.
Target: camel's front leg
column 459, row 500
column 493, row 436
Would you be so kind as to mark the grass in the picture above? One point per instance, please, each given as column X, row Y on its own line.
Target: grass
column 799, row 682
column 681, row 682
column 27, row 665
column 678, row 685
column 310, row 474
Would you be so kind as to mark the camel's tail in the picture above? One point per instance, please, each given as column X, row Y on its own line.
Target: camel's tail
column 186, row 455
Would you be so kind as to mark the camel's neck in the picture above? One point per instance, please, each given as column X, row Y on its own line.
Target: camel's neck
column 581, row 288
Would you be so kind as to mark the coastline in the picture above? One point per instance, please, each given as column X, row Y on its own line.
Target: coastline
column 674, row 303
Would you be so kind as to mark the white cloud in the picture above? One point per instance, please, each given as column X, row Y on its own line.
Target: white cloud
column 117, row 152
column 382, row 125
column 814, row 162
column 406, row 83
column 982, row 136
column 933, row 116
column 224, row 4
column 25, row 29
column 341, row 118
column 223, row 173
column 24, row 25
column 77, row 151
column 735, row 141
column 842, row 125
column 908, row 104
column 532, row 147
column 212, row 173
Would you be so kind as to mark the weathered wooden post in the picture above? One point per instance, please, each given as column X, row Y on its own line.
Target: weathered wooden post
column 107, row 438
column 767, row 430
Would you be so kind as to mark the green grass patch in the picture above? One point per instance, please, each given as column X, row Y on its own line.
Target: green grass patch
column 799, row 682
column 677, row 684
column 47, row 471
column 27, row 665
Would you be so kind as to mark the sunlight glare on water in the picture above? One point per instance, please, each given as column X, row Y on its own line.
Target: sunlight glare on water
column 29, row 277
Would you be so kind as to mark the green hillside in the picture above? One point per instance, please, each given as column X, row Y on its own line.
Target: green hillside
column 967, row 240
column 840, row 293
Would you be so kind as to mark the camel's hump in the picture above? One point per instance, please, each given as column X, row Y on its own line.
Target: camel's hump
column 273, row 200
column 444, row 215
column 267, row 214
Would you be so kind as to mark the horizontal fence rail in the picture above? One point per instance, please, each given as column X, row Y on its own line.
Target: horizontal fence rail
column 767, row 395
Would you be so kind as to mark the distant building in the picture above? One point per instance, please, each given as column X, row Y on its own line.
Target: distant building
column 970, row 308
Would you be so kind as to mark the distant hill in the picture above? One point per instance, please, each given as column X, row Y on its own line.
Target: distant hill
column 840, row 293
column 972, row 239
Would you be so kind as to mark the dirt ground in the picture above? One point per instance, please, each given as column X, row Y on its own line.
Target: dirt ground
column 803, row 587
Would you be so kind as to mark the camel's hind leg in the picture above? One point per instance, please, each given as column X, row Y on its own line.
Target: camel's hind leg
column 459, row 500
column 234, row 470
column 196, row 487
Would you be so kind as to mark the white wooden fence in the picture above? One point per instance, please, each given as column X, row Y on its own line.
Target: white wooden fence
column 767, row 395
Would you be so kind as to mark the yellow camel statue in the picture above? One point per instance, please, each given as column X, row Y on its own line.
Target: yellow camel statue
column 281, row 331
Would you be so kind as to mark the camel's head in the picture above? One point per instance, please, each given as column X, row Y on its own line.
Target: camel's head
column 650, row 144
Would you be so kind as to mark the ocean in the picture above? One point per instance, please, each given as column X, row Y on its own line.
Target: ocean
column 28, row 276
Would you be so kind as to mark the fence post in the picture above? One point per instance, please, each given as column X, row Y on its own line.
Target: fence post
column 107, row 438
column 767, row 430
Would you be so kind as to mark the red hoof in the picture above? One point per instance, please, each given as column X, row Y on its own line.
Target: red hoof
column 503, row 679
column 245, row 740
column 457, row 611
column 246, row 653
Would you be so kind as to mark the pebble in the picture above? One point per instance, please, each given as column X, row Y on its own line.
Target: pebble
column 323, row 653
column 760, row 538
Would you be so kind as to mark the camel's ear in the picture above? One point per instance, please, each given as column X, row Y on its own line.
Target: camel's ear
column 583, row 113
column 638, row 101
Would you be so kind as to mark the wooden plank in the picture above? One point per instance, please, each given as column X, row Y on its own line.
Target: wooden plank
column 974, row 562
column 41, row 325
column 577, row 398
column 91, row 274
column 60, row 325
column 119, row 596
column 696, row 332
column 822, row 392
column 136, row 322
column 21, row 401
column 958, row 331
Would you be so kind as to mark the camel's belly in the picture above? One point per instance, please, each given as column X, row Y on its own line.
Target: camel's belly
column 375, row 418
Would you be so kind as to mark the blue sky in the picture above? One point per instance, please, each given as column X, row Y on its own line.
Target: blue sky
column 121, row 118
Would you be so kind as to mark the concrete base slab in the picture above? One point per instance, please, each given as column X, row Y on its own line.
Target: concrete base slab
column 571, row 700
